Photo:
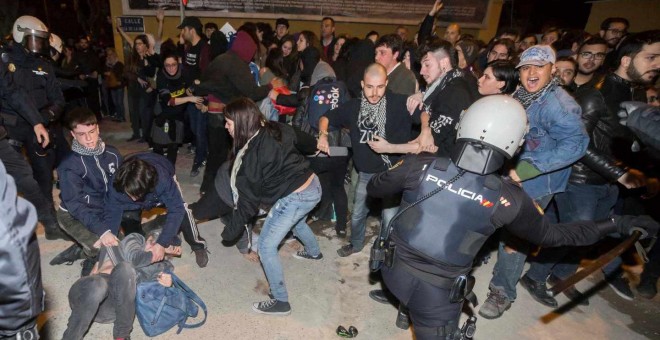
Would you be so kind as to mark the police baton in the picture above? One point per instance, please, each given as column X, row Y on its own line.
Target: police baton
column 599, row 263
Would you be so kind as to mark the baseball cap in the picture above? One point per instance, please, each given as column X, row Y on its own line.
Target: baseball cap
column 193, row 22
column 537, row 55
column 282, row 21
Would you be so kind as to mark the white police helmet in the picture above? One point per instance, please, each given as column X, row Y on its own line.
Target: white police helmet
column 56, row 42
column 492, row 129
column 32, row 33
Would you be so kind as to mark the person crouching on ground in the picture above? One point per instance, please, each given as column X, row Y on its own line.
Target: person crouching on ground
column 268, row 169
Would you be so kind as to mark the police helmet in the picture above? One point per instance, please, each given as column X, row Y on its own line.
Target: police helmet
column 491, row 130
column 32, row 33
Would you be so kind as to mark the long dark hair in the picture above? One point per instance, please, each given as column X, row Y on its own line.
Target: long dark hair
column 248, row 120
column 275, row 62
column 135, row 57
column 313, row 41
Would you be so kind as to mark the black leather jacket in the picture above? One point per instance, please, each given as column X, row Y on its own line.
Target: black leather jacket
column 597, row 166
column 615, row 90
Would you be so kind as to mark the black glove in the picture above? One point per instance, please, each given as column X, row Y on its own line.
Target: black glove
column 627, row 224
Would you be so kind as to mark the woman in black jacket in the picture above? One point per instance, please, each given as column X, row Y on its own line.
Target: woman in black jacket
column 269, row 170
column 172, row 84
column 141, row 96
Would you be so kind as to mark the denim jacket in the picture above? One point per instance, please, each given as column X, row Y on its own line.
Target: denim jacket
column 556, row 139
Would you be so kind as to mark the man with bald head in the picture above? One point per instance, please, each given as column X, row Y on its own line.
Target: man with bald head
column 453, row 33
column 378, row 115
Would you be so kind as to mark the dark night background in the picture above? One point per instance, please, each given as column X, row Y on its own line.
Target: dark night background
column 72, row 18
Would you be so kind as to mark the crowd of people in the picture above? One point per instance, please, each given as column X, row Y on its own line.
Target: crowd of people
column 292, row 127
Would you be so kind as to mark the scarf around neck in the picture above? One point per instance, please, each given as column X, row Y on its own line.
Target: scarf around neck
column 443, row 81
column 526, row 98
column 375, row 114
column 78, row 148
column 236, row 166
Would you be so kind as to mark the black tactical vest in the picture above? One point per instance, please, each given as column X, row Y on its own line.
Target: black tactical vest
column 452, row 225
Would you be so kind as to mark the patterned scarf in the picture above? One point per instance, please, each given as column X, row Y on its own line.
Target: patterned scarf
column 375, row 114
column 78, row 148
column 526, row 99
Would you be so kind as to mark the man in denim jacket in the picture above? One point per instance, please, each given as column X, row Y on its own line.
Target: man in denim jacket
column 556, row 139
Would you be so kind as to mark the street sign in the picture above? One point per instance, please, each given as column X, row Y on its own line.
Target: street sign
column 132, row 24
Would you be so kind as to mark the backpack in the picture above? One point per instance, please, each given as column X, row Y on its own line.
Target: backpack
column 327, row 94
column 159, row 308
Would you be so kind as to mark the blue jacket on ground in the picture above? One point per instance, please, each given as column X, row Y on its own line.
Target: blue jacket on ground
column 84, row 182
column 556, row 139
column 167, row 193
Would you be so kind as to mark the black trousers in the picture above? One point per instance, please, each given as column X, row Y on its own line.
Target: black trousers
column 42, row 160
column 21, row 171
column 172, row 150
column 331, row 172
column 429, row 307
column 219, row 144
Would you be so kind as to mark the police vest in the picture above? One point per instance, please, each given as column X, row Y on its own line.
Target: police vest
column 451, row 226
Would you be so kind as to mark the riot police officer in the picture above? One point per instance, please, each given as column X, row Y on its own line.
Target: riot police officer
column 30, row 79
column 450, row 206
column 35, row 75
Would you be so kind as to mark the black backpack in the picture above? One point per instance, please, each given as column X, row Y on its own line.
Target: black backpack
column 327, row 94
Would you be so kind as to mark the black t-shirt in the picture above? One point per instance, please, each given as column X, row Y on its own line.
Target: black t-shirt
column 191, row 58
column 398, row 126
column 173, row 87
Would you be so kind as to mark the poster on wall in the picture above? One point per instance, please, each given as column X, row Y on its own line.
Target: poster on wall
column 468, row 13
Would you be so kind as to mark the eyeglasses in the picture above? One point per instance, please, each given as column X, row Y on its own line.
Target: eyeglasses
column 616, row 31
column 589, row 55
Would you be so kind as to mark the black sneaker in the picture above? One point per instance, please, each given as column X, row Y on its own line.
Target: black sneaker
column 68, row 256
column 272, row 307
column 195, row 171
column 305, row 255
column 621, row 287
column 539, row 291
column 201, row 257
column 347, row 250
column 341, row 232
column 571, row 292
column 87, row 266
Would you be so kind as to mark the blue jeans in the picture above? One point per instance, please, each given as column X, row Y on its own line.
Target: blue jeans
column 361, row 210
column 288, row 212
column 509, row 266
column 198, row 123
column 580, row 202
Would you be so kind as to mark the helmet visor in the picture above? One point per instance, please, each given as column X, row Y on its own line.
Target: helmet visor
column 37, row 44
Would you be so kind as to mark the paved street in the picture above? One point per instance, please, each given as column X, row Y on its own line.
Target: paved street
column 331, row 292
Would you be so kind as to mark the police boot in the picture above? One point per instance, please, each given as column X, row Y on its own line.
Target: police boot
column 68, row 256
